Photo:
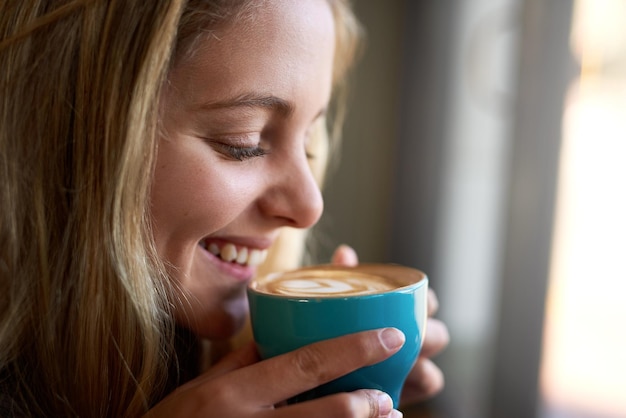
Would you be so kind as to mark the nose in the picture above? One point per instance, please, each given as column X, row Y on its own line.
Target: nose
column 293, row 197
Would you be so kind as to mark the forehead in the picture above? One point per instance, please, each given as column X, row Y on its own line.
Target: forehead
column 274, row 44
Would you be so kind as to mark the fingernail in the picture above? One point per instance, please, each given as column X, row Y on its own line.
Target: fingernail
column 385, row 405
column 392, row 338
column 396, row 414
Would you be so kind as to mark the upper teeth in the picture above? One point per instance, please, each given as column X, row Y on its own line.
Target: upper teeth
column 243, row 255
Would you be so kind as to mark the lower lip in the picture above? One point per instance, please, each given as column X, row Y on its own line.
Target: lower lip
column 237, row 271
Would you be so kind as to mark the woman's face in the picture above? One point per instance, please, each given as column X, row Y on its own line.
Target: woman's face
column 232, row 165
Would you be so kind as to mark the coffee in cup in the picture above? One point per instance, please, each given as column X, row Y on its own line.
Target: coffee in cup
column 293, row 309
column 325, row 283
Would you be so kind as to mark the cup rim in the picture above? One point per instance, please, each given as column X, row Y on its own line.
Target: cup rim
column 414, row 277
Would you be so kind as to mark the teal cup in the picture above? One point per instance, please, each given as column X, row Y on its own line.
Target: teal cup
column 293, row 309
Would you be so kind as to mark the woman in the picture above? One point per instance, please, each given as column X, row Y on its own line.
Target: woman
column 150, row 154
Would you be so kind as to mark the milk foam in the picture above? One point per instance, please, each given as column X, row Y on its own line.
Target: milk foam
column 335, row 285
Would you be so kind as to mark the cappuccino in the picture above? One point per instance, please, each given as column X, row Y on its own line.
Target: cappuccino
column 324, row 283
column 293, row 309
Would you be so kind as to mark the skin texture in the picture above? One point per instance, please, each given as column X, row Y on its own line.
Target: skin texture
column 263, row 85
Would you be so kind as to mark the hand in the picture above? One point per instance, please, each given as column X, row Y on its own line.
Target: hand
column 425, row 379
column 242, row 386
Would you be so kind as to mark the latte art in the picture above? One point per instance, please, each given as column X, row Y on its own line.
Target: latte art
column 324, row 284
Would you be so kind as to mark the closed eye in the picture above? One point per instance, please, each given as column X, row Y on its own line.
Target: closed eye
column 239, row 153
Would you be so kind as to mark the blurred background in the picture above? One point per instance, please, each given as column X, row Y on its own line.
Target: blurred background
column 486, row 146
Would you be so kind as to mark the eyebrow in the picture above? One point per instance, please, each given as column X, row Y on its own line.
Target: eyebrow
column 251, row 100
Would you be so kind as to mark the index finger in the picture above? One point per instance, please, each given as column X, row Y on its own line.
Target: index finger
column 282, row 377
column 345, row 255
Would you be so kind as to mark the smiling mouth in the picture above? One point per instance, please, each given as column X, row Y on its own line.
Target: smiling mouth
column 232, row 254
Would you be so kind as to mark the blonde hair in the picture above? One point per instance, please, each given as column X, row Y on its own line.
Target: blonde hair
column 85, row 327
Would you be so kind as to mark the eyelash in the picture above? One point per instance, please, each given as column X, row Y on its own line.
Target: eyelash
column 246, row 153
column 241, row 153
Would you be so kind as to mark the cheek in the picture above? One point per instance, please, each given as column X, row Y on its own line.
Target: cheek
column 193, row 195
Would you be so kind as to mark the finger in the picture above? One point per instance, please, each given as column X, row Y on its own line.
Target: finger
column 365, row 403
column 287, row 375
column 436, row 338
column 345, row 255
column 432, row 302
column 424, row 382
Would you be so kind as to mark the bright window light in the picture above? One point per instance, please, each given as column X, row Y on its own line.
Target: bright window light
column 583, row 371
